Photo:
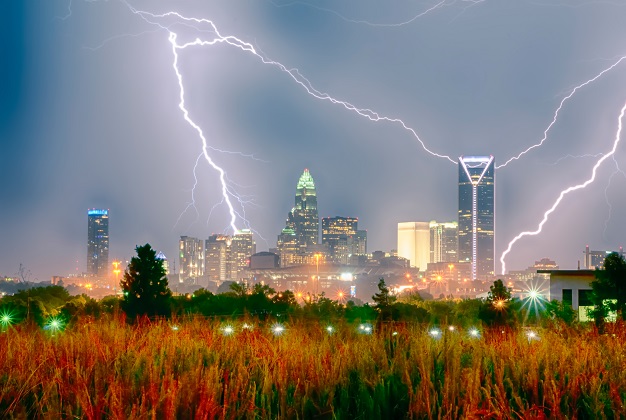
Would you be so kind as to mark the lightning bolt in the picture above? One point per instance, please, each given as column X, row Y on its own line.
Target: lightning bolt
column 228, row 192
column 562, row 158
column 563, row 193
column 618, row 170
column 558, row 110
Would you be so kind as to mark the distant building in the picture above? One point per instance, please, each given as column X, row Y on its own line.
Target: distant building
column 98, row 243
column 217, row 259
column 241, row 248
column 342, row 238
column 303, row 218
column 444, row 242
column 191, row 258
column 264, row 261
column 161, row 256
column 594, row 260
column 414, row 243
column 228, row 258
column 288, row 247
column 477, row 214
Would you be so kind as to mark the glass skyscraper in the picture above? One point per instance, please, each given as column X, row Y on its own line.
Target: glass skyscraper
column 97, row 242
column 303, row 218
column 477, row 214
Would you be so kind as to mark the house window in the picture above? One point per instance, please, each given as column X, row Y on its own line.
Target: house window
column 567, row 297
column 584, row 298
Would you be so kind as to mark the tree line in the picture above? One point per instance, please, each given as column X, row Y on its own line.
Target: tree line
column 146, row 295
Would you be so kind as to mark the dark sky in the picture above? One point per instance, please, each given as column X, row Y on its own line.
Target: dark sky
column 89, row 118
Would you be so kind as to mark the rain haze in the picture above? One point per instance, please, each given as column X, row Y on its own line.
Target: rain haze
column 90, row 118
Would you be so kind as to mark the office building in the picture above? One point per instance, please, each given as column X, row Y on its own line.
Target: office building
column 98, row 243
column 303, row 218
column 241, row 248
column 339, row 236
column 217, row 261
column 414, row 243
column 477, row 214
column 594, row 260
column 443, row 242
column 287, row 247
column 191, row 258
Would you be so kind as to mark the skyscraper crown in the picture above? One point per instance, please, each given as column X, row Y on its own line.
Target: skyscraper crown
column 306, row 182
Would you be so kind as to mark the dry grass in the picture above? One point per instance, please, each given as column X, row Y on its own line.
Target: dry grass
column 107, row 369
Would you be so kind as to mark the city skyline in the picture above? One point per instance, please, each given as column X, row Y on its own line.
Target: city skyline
column 90, row 117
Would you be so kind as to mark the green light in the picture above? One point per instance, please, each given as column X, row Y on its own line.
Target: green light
column 54, row 324
column 6, row 320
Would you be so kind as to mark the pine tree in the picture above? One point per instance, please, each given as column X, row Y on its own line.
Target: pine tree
column 145, row 287
column 384, row 301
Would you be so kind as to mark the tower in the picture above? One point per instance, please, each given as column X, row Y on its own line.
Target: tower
column 477, row 214
column 191, row 258
column 414, row 243
column 339, row 234
column 98, row 242
column 303, row 218
column 443, row 242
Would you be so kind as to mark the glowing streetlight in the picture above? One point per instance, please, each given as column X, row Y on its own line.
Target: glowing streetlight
column 435, row 333
column 228, row 330
column 330, row 329
column 474, row 333
column 278, row 329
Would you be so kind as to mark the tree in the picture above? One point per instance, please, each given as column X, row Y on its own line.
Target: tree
column 145, row 287
column 609, row 288
column 384, row 299
column 496, row 310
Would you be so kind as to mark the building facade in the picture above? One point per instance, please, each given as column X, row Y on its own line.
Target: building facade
column 304, row 218
column 217, row 261
column 476, row 225
column 414, row 243
column 98, row 243
column 241, row 248
column 444, row 242
column 339, row 236
column 191, row 258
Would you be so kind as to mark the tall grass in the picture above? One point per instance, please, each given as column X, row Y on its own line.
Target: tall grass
column 108, row 369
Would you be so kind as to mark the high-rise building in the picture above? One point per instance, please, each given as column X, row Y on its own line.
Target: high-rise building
column 303, row 218
column 217, row 258
column 443, row 242
column 339, row 235
column 414, row 243
column 477, row 214
column 191, row 258
column 241, row 248
column 594, row 260
column 287, row 247
column 166, row 266
column 98, row 242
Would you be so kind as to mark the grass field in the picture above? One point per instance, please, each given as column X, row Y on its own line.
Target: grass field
column 191, row 369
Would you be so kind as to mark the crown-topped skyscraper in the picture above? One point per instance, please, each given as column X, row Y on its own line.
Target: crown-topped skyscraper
column 303, row 218
column 477, row 214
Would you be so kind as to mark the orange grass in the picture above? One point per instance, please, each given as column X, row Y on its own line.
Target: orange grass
column 107, row 369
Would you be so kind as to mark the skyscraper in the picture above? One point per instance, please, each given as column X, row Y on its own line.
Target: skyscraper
column 241, row 248
column 191, row 264
column 217, row 257
column 98, row 242
column 443, row 242
column 477, row 214
column 414, row 243
column 339, row 236
column 303, row 218
column 288, row 247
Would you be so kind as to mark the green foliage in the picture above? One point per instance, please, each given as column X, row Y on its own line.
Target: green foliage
column 383, row 300
column 560, row 312
column 145, row 287
column 498, row 309
column 609, row 288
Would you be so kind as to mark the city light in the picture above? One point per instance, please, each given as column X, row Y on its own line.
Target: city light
column 330, row 329
column 6, row 319
column 532, row 335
